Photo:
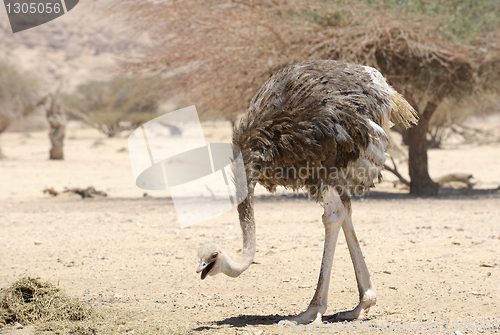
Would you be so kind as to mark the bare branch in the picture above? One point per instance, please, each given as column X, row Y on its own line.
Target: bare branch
column 396, row 172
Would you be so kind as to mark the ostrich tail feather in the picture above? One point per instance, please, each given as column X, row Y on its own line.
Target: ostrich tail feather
column 403, row 112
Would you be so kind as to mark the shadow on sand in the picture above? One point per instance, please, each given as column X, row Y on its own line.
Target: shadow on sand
column 258, row 320
column 444, row 193
column 243, row 321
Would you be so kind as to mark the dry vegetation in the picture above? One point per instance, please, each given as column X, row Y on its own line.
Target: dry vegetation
column 219, row 53
column 30, row 300
column 115, row 105
column 18, row 95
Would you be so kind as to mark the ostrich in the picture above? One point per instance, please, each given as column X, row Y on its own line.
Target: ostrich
column 320, row 126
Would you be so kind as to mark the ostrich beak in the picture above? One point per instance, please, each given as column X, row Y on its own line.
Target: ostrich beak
column 201, row 267
column 204, row 268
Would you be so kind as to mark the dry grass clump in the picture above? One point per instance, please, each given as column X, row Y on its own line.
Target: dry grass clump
column 30, row 300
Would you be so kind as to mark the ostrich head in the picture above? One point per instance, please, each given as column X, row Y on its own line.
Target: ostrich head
column 212, row 260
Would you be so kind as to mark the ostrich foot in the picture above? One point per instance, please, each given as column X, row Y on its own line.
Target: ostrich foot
column 311, row 315
column 361, row 311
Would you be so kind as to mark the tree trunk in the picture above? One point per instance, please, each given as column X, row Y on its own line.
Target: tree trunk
column 57, row 121
column 421, row 183
column 56, row 135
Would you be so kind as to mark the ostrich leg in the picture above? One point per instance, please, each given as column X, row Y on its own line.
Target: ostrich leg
column 335, row 213
column 367, row 294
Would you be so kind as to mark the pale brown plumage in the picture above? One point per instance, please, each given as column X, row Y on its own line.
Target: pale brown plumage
column 313, row 115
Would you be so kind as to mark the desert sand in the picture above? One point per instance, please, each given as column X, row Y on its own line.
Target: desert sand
column 435, row 262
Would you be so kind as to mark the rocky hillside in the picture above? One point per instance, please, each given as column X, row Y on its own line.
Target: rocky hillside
column 84, row 44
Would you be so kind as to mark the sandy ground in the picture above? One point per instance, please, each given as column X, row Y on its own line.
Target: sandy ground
column 435, row 262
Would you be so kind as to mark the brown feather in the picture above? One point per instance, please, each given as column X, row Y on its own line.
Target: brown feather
column 313, row 115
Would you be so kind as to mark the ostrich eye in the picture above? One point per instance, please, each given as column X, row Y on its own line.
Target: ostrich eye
column 214, row 255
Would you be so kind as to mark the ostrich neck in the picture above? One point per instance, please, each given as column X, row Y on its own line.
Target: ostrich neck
column 247, row 223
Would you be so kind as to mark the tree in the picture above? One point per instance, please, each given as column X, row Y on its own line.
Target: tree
column 57, row 121
column 219, row 53
column 115, row 105
column 18, row 95
column 216, row 54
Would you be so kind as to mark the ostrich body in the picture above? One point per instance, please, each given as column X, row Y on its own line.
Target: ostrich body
column 319, row 126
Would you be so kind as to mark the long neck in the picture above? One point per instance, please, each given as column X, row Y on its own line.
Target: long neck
column 247, row 223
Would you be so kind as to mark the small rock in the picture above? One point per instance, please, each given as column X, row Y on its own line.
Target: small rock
column 117, row 296
column 38, row 242
column 17, row 325
column 393, row 288
column 304, row 286
column 179, row 257
column 387, row 272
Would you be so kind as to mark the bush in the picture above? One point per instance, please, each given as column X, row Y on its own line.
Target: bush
column 18, row 94
column 115, row 105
